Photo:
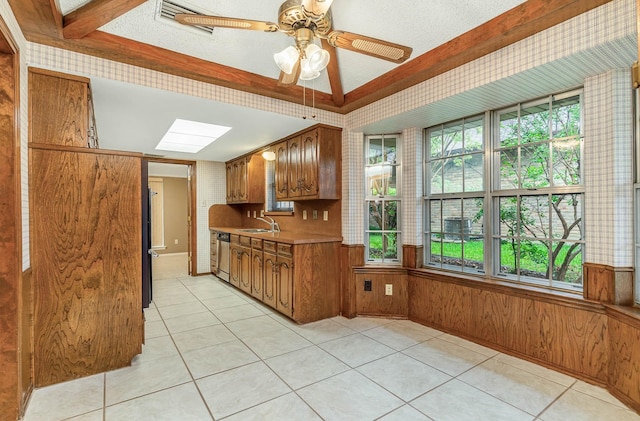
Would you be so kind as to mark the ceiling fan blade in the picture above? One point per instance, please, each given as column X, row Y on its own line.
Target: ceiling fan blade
column 288, row 79
column 223, row 22
column 316, row 7
column 370, row 46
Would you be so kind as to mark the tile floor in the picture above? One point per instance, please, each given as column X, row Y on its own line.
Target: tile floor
column 213, row 353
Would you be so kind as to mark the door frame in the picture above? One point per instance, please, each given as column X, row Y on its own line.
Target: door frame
column 191, row 198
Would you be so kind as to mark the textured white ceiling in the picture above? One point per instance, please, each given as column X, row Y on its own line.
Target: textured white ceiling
column 422, row 25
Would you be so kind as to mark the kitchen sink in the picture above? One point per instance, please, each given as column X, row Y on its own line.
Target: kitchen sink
column 254, row 230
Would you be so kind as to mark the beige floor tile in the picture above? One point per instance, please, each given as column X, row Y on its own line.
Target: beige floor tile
column 231, row 314
column 166, row 300
column 56, row 403
column 215, row 359
column 356, row 349
column 177, row 403
column 405, row 413
column 155, row 348
column 224, row 302
column 577, row 406
column 306, row 366
column 240, row 388
column 333, row 399
column 445, row 356
column 91, row 416
column 520, row 388
column 145, row 377
column 597, row 392
column 155, row 329
column 457, row 401
column 360, row 324
column 247, row 328
column 401, row 334
column 202, row 337
column 276, row 342
column 151, row 314
column 403, row 376
column 538, row 370
column 191, row 321
column 285, row 408
column 182, row 309
column 469, row 345
column 323, row 331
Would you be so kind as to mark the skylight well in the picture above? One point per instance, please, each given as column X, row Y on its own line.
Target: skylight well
column 190, row 136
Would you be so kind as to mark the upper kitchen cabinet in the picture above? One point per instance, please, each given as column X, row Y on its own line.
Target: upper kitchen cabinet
column 246, row 180
column 61, row 109
column 308, row 165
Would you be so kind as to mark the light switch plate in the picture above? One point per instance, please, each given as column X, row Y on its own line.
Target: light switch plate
column 388, row 289
column 304, row 214
column 325, row 215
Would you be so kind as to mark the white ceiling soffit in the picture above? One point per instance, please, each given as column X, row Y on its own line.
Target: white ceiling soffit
column 159, row 169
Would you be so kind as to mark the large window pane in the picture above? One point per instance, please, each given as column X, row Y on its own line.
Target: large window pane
column 566, row 216
column 534, row 216
column 435, row 181
column 565, row 120
column 435, row 144
column 534, row 164
column 390, row 152
column 508, row 216
column 435, row 216
column 391, row 215
column 375, row 151
column 509, row 169
column 534, row 258
column 474, row 173
column 567, row 262
column 534, row 123
column 509, row 250
column 473, row 136
column 508, row 129
column 566, row 163
column 452, row 174
column 390, row 245
column 375, row 246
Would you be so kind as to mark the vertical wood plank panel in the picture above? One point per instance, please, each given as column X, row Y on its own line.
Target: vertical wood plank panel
column 375, row 302
column 86, row 226
column 624, row 367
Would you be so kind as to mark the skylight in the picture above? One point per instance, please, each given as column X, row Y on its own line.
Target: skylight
column 190, row 136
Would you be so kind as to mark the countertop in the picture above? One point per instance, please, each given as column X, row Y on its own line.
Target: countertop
column 281, row 237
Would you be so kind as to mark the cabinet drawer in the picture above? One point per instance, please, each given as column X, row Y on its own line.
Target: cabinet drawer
column 285, row 249
column 245, row 241
column 235, row 239
column 269, row 246
column 256, row 243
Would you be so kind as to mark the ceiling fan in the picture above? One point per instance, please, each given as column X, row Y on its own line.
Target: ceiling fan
column 305, row 20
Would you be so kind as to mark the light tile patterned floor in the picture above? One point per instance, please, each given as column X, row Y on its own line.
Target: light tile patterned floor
column 213, row 353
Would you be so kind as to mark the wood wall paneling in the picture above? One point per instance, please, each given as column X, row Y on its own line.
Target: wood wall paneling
column 607, row 284
column 412, row 256
column 351, row 256
column 10, row 235
column 26, row 338
column 376, row 302
column 624, row 351
column 86, row 231
column 58, row 108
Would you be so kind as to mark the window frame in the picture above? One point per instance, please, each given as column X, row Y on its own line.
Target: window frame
column 383, row 199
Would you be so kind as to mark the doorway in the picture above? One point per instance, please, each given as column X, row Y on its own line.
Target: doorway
column 171, row 208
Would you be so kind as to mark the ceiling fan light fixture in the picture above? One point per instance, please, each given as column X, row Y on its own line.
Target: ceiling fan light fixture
column 306, row 72
column 317, row 57
column 287, row 58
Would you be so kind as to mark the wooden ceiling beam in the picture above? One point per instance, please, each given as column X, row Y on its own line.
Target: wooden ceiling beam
column 512, row 26
column 38, row 17
column 333, row 72
column 115, row 48
column 95, row 14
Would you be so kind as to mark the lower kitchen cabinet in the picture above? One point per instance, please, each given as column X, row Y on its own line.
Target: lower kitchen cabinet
column 300, row 281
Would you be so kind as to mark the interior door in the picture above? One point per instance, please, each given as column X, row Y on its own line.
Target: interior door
column 147, row 295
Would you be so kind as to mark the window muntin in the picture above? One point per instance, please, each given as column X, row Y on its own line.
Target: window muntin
column 455, row 189
column 382, row 201
column 533, row 211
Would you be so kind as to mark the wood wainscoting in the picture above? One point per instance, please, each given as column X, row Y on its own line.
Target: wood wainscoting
column 608, row 284
column 351, row 256
column 624, row 349
column 412, row 256
column 375, row 302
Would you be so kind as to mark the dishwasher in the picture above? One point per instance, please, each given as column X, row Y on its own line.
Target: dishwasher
column 222, row 245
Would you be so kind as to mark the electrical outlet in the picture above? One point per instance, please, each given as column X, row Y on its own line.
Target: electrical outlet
column 315, row 214
column 388, row 289
column 255, row 214
column 176, row 241
column 325, row 215
column 304, row 214
column 261, row 212
column 367, row 284
column 248, row 214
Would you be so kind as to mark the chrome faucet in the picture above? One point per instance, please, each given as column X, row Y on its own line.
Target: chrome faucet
column 273, row 224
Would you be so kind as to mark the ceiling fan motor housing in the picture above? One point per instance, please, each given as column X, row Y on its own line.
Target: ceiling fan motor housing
column 292, row 17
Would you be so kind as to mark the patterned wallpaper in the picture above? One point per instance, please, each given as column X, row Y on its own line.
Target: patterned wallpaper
column 590, row 44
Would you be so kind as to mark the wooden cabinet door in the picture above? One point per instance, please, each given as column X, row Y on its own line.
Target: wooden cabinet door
column 282, row 170
column 309, row 167
column 234, row 265
column 257, row 273
column 230, row 182
column 241, row 180
column 269, row 286
column 244, row 259
column 294, row 179
column 284, row 293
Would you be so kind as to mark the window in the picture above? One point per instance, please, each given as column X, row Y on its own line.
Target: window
column 455, row 190
column 528, row 226
column 382, row 201
column 272, row 204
